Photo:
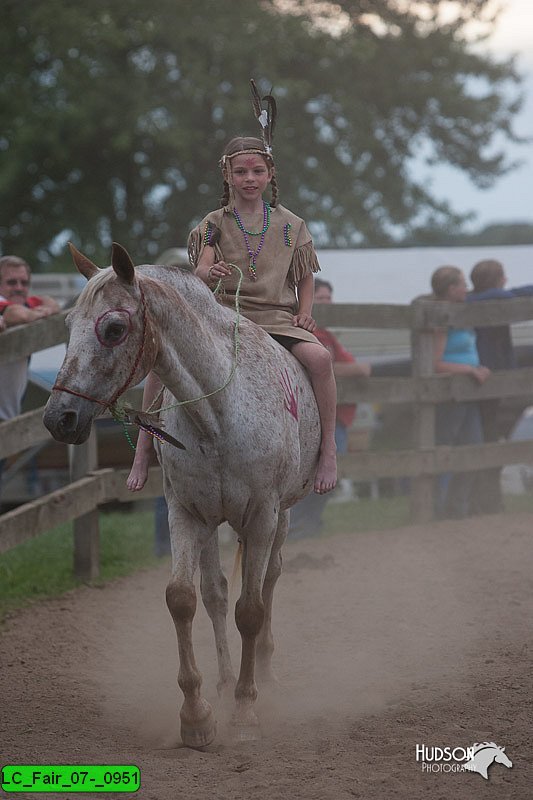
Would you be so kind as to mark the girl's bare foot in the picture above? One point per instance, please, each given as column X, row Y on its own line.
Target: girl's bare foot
column 326, row 472
column 139, row 470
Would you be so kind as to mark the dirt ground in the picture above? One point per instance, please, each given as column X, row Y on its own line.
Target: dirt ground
column 384, row 641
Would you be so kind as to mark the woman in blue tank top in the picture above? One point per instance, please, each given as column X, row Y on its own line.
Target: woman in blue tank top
column 457, row 423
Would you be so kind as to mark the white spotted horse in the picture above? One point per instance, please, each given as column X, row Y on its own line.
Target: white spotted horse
column 247, row 440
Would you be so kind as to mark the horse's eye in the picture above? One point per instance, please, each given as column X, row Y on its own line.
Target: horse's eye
column 113, row 327
column 114, row 332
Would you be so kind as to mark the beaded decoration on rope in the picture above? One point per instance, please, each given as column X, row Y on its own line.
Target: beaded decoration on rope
column 253, row 253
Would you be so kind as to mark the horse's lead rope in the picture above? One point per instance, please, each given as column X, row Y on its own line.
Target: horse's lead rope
column 119, row 412
column 236, row 344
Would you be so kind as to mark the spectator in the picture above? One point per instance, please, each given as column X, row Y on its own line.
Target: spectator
column 495, row 348
column 306, row 516
column 457, row 423
column 494, row 344
column 17, row 307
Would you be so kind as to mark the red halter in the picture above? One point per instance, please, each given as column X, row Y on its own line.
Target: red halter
column 125, row 385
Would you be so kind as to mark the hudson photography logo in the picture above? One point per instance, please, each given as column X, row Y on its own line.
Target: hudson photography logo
column 477, row 758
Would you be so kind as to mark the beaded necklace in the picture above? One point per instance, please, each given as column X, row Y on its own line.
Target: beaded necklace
column 252, row 254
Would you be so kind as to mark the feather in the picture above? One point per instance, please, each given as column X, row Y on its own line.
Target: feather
column 256, row 99
column 135, row 417
column 145, row 420
column 265, row 116
column 272, row 114
column 158, row 433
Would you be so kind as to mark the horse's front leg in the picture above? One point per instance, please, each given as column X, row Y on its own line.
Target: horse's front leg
column 188, row 537
column 214, row 588
column 250, row 616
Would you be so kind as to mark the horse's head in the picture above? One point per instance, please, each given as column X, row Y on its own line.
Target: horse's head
column 484, row 754
column 111, row 347
column 502, row 758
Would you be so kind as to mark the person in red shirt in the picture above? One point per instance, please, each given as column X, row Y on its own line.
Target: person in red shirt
column 306, row 516
column 344, row 365
column 17, row 307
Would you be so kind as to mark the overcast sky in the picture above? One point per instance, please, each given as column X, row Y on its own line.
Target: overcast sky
column 511, row 198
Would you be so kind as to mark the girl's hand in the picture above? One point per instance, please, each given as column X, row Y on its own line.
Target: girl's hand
column 211, row 273
column 480, row 374
column 304, row 321
column 218, row 271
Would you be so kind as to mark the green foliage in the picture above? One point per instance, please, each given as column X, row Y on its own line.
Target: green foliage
column 383, row 514
column 114, row 116
column 495, row 234
column 42, row 567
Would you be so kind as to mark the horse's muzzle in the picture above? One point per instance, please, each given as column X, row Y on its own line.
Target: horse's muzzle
column 66, row 425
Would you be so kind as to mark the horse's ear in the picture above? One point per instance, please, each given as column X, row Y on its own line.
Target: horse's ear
column 122, row 263
column 83, row 264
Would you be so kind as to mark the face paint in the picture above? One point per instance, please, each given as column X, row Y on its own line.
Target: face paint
column 113, row 327
column 291, row 395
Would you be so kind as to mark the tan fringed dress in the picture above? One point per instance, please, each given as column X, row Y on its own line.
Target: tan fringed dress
column 287, row 255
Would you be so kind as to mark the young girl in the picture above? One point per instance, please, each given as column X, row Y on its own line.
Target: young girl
column 455, row 352
column 275, row 252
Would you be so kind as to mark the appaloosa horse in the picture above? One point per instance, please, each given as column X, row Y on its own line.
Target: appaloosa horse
column 251, row 442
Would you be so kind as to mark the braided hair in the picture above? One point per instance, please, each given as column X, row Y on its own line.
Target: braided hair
column 236, row 147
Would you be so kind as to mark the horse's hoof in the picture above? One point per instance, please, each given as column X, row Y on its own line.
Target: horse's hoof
column 200, row 735
column 198, row 724
column 245, row 728
column 245, row 733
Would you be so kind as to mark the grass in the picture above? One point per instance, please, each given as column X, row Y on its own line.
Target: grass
column 387, row 513
column 366, row 515
column 42, row 567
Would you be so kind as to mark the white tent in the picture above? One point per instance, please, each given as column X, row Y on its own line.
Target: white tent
column 396, row 275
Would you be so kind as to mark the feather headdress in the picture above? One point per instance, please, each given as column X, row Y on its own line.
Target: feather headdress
column 265, row 116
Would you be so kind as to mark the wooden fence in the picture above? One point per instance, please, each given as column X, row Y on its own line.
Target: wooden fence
column 91, row 487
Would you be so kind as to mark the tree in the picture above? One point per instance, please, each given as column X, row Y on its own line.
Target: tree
column 115, row 115
column 496, row 234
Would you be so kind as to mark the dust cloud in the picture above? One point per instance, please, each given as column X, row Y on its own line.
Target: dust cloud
column 358, row 621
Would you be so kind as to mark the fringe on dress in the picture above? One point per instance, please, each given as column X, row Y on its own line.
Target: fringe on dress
column 304, row 261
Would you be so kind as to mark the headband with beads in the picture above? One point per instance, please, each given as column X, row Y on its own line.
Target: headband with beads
column 228, row 157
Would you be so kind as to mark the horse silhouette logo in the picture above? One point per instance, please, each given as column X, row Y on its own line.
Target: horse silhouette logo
column 485, row 753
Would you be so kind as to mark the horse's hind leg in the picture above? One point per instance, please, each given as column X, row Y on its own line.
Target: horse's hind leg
column 198, row 726
column 249, row 616
column 214, row 588
column 265, row 640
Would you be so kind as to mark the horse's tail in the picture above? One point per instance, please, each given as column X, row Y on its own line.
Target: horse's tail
column 236, row 565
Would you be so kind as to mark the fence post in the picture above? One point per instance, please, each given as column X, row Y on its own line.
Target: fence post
column 83, row 459
column 423, row 487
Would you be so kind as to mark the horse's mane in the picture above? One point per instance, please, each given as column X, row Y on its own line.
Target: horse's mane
column 98, row 281
column 94, row 285
column 482, row 745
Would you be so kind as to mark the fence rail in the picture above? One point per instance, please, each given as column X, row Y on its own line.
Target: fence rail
column 91, row 487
